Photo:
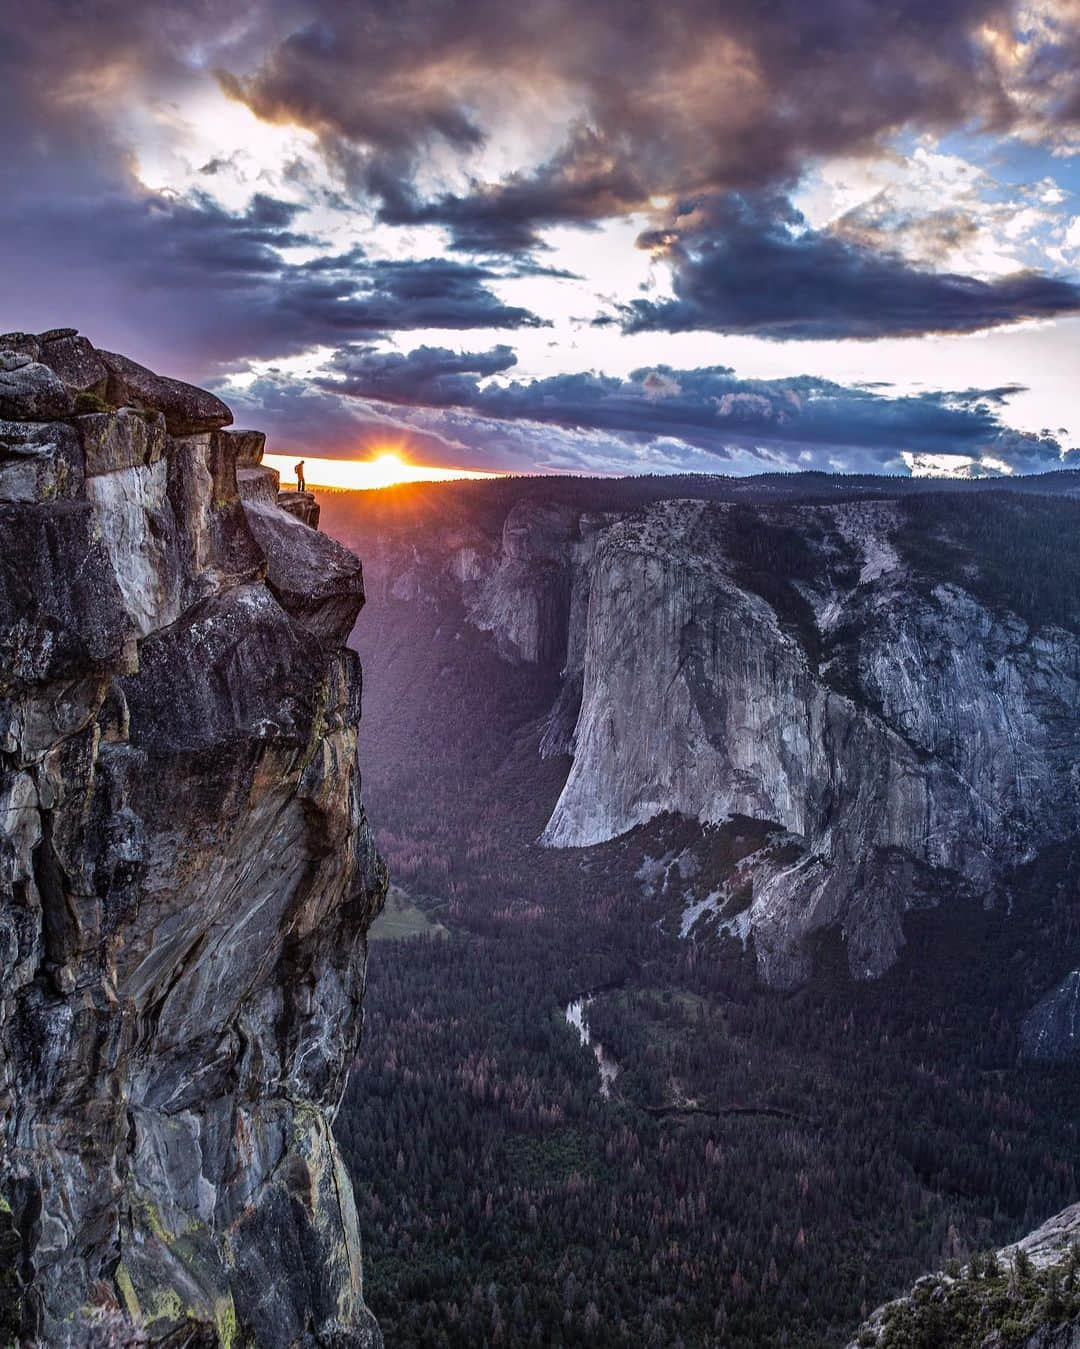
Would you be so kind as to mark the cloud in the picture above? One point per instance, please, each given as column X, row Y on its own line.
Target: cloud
column 436, row 293
column 179, row 279
column 298, row 414
column 724, row 105
column 497, row 123
column 801, row 422
column 222, row 289
column 432, row 376
column 751, row 265
column 690, row 97
column 580, row 185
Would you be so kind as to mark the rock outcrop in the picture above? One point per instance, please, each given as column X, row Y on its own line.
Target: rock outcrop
column 1051, row 1030
column 302, row 505
column 312, row 577
column 74, row 360
column 30, row 390
column 1025, row 1296
column 525, row 599
column 186, row 873
column 186, row 409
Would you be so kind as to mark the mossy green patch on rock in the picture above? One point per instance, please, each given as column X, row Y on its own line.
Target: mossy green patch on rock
column 126, row 1288
column 164, row 1304
column 147, row 1216
column 226, row 1323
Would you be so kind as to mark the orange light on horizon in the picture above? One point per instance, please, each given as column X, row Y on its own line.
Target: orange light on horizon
column 365, row 475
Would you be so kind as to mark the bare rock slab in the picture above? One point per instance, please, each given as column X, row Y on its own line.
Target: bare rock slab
column 75, row 361
column 30, row 391
column 187, row 409
column 313, row 577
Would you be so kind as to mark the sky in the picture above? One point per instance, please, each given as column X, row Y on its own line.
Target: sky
column 598, row 236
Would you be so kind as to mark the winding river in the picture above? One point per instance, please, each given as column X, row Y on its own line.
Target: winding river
column 577, row 1015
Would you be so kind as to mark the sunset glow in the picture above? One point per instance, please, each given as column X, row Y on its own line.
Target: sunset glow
column 387, row 470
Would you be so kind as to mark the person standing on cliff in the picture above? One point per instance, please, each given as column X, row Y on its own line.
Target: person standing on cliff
column 299, row 471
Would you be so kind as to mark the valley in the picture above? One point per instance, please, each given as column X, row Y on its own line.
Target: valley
column 776, row 1155
column 540, row 675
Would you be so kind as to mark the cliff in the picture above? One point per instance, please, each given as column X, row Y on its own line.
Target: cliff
column 898, row 728
column 891, row 683
column 186, row 871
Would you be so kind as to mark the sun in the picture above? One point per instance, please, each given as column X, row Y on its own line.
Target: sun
column 386, row 469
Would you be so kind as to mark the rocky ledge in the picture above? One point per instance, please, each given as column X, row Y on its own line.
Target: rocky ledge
column 186, row 872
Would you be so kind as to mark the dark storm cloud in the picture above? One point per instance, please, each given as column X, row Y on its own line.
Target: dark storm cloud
column 579, row 186
column 182, row 281
column 226, row 290
column 438, row 293
column 432, row 376
column 688, row 98
column 219, row 284
column 728, row 100
column 751, row 265
column 666, row 96
column 672, row 96
column 800, row 422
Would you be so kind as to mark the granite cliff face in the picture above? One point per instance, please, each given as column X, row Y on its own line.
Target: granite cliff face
column 897, row 729
column 1051, row 1031
column 186, row 871
column 825, row 668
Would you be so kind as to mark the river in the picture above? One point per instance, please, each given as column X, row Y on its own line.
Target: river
column 577, row 1015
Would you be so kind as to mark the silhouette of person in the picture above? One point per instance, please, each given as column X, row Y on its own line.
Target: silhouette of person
column 299, row 471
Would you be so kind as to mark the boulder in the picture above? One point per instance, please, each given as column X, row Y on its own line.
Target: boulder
column 31, row 392
column 249, row 446
column 74, row 359
column 116, row 440
column 39, row 461
column 21, row 342
column 203, row 494
column 302, row 505
column 258, row 483
column 234, row 665
column 221, row 452
column 187, row 409
column 313, row 578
